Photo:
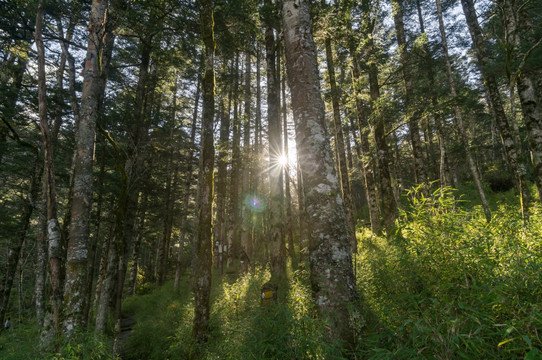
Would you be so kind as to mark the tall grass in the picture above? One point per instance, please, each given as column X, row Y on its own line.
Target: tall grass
column 448, row 285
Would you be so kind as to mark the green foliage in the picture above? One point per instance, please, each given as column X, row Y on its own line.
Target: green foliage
column 241, row 328
column 449, row 285
column 22, row 342
column 85, row 346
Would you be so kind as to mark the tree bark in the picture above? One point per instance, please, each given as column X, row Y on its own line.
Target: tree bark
column 54, row 248
column 339, row 147
column 203, row 249
column 276, row 233
column 332, row 278
column 77, row 254
column 187, row 184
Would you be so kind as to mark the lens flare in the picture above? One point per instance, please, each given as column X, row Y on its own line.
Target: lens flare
column 254, row 203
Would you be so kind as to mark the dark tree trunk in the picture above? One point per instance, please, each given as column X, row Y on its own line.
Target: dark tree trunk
column 276, row 233
column 15, row 250
column 203, row 247
column 54, row 248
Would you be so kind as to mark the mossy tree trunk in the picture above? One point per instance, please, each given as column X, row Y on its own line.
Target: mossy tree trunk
column 332, row 278
column 79, row 231
column 203, row 247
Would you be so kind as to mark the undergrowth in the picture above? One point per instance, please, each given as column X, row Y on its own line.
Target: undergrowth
column 444, row 285
column 448, row 285
column 23, row 343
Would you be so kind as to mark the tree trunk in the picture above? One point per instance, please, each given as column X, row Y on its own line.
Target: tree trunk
column 289, row 231
column 53, row 229
column 332, row 278
column 459, row 118
column 77, row 255
column 203, row 249
column 93, row 248
column 517, row 26
column 233, row 224
column 513, row 156
column 366, row 161
column 187, row 184
column 339, row 147
column 15, row 250
column 276, row 233
column 412, row 113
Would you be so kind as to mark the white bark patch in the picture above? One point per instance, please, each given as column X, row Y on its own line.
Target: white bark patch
column 332, row 179
column 323, row 188
column 77, row 255
column 339, row 200
column 338, row 254
column 53, row 232
column 322, row 300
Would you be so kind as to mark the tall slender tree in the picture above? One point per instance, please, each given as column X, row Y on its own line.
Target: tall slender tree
column 77, row 246
column 276, row 233
column 204, row 241
column 54, row 247
column 332, row 277
column 412, row 113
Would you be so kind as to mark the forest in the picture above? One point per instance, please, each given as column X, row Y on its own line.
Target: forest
column 270, row 179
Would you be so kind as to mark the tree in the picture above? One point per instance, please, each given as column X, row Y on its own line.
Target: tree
column 330, row 260
column 459, row 117
column 77, row 246
column 513, row 155
column 276, row 230
column 412, row 113
column 204, row 241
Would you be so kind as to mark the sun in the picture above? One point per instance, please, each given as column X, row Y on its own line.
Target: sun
column 282, row 160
